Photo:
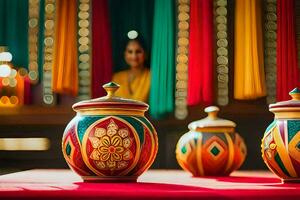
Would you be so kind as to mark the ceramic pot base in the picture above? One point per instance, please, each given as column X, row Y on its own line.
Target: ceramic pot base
column 107, row 179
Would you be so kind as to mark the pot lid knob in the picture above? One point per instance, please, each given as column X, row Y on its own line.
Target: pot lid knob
column 212, row 112
column 295, row 94
column 111, row 88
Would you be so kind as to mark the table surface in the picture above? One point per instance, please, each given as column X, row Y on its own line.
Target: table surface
column 154, row 184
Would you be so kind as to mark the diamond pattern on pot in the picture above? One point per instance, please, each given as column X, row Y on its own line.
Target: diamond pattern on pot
column 215, row 150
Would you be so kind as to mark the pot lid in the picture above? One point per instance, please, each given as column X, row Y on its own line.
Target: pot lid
column 212, row 120
column 111, row 101
column 290, row 105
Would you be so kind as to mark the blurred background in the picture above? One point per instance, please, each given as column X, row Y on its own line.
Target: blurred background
column 240, row 55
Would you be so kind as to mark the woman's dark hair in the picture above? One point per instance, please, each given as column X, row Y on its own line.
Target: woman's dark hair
column 139, row 39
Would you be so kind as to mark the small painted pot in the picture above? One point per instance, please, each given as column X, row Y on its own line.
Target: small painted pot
column 211, row 147
column 281, row 140
column 109, row 139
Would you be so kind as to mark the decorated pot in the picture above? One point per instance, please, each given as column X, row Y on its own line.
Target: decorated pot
column 281, row 140
column 109, row 139
column 211, row 147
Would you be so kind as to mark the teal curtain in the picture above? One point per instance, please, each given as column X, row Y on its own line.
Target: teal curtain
column 14, row 29
column 162, row 59
column 125, row 16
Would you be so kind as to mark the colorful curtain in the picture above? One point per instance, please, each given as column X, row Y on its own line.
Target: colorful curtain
column 287, row 65
column 102, row 50
column 125, row 16
column 14, row 30
column 249, row 77
column 162, row 59
column 200, row 81
column 65, row 72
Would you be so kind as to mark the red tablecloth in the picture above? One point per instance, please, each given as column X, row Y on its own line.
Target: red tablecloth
column 155, row 184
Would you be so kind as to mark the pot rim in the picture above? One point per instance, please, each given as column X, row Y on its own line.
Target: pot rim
column 110, row 102
column 212, row 123
column 289, row 108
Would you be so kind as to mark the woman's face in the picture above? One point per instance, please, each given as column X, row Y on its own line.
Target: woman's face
column 134, row 55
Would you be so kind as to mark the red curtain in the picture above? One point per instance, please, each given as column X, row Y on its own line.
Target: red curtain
column 27, row 88
column 102, row 50
column 287, row 64
column 200, row 81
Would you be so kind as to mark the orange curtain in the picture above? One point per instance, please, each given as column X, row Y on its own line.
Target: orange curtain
column 249, row 78
column 65, row 73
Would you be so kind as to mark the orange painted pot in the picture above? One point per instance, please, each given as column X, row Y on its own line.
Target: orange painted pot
column 110, row 139
column 211, row 147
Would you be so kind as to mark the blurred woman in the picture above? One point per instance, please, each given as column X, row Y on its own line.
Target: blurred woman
column 135, row 81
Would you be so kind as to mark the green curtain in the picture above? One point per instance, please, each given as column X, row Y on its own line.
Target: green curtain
column 162, row 59
column 125, row 16
column 14, row 29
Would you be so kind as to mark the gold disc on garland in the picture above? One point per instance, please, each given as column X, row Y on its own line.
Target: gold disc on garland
column 222, row 60
column 183, row 41
column 182, row 76
column 183, row 33
column 222, row 69
column 83, row 32
column 84, row 73
column 271, row 17
column 221, row 27
column 183, row 26
column 83, row 15
column 223, row 78
column 181, row 67
column 222, row 43
column 221, row 11
column 221, row 51
column 84, row 66
column 271, row 8
column 183, row 8
column 83, row 48
column 221, row 34
column 84, row 6
column 183, row 16
column 182, row 58
column 221, row 19
column 222, row 3
column 84, row 57
column 182, row 50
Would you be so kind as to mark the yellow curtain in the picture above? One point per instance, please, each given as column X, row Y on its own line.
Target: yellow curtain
column 249, row 76
column 65, row 74
column 138, row 89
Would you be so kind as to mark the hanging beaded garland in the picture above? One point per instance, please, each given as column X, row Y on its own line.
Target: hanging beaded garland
column 220, row 7
column 84, row 50
column 183, row 16
column 33, row 30
column 270, row 48
column 49, row 33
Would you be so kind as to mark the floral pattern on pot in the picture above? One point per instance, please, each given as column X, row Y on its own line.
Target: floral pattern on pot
column 111, row 147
